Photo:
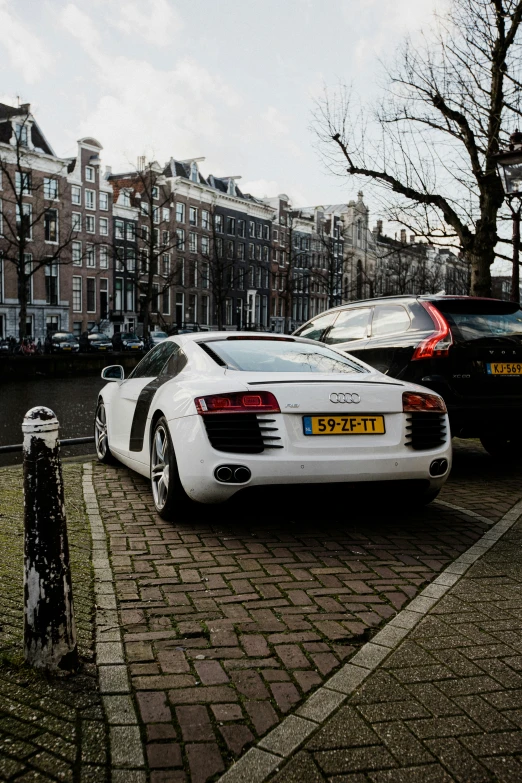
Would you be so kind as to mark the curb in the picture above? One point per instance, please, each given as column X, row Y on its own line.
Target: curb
column 273, row 750
column 126, row 750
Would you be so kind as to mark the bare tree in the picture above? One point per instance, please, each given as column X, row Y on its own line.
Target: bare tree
column 430, row 145
column 294, row 273
column 32, row 235
column 155, row 240
column 327, row 272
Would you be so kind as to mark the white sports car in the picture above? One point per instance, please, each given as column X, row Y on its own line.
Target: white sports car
column 207, row 415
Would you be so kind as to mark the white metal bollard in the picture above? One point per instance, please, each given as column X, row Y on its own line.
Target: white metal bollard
column 49, row 628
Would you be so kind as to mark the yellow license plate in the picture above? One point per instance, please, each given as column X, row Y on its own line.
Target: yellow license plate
column 367, row 424
column 504, row 368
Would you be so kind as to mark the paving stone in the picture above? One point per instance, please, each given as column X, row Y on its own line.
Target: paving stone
column 204, row 761
column 301, row 768
column 195, row 723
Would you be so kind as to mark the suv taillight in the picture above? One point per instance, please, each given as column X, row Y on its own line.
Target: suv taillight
column 237, row 402
column 437, row 344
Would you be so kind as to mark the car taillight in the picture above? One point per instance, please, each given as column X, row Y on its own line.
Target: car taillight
column 238, row 402
column 419, row 401
column 437, row 344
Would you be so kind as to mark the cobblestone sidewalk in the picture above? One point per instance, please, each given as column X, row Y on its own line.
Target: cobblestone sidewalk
column 230, row 621
column 446, row 705
column 51, row 728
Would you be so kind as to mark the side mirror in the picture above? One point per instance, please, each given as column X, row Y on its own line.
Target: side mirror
column 113, row 373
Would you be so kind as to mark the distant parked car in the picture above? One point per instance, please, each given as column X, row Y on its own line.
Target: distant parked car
column 157, row 337
column 127, row 341
column 61, row 342
column 97, row 341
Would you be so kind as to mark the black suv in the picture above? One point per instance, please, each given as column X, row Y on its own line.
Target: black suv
column 467, row 349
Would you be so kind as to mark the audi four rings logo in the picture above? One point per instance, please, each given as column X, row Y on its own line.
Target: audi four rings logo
column 344, row 397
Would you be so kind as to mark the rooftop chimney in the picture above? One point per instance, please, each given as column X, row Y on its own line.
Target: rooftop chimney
column 26, row 107
column 403, row 236
column 412, row 239
column 141, row 162
column 379, row 227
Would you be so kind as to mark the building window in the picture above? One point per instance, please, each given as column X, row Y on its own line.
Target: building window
column 193, row 308
column 77, row 294
column 218, row 223
column 155, row 192
column 103, row 201
column 194, row 172
column 205, row 245
column 204, row 275
column 251, row 251
column 241, row 279
column 50, row 188
column 228, row 312
column 165, row 265
column 219, row 247
column 165, row 237
column 258, row 252
column 266, row 232
column 21, row 134
column 77, row 253
column 90, row 224
column 241, row 251
column 51, row 283
column 204, row 310
column 51, row 225
column 230, row 249
column 23, row 183
column 24, row 223
column 205, row 219
column 193, row 216
column 165, row 302
column 180, row 239
column 130, row 259
column 193, row 242
column 130, row 231
column 104, row 226
column 90, row 199
column 251, row 229
column 104, row 297
column 231, row 225
column 91, row 295
column 265, row 253
column 129, row 296
column 155, row 214
column 104, row 257
column 259, row 230
column 144, row 208
column 118, row 294
column 89, row 174
column 155, row 236
column 124, row 198
column 76, row 194
column 76, row 221
column 90, row 255
column 241, row 228
column 165, row 214
column 180, row 212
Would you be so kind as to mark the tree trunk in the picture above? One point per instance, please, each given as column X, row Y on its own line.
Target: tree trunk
column 481, row 256
column 22, row 298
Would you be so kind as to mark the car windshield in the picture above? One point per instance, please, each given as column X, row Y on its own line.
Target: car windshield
column 275, row 355
column 485, row 320
column 128, row 336
column 98, row 337
column 162, row 335
column 64, row 338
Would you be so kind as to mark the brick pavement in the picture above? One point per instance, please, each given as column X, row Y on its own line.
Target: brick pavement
column 51, row 728
column 446, row 705
column 230, row 620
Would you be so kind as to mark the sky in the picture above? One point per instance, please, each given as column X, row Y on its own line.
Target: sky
column 231, row 81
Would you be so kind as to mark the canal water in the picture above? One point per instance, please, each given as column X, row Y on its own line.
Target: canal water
column 73, row 400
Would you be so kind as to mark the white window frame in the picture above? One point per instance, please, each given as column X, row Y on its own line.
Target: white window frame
column 76, row 221
column 76, row 191
column 103, row 201
column 90, row 199
column 76, row 244
column 103, row 224
column 104, row 257
column 90, row 175
column 90, row 220
column 77, row 292
column 90, row 255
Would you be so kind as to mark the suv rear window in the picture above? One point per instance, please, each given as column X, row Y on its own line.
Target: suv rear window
column 474, row 320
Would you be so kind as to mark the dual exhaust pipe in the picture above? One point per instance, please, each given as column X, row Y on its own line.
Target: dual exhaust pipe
column 232, row 474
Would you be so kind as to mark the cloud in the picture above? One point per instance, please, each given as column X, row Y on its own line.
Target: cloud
column 156, row 21
column 26, row 51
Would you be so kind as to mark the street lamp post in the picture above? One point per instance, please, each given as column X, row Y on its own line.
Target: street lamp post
column 509, row 165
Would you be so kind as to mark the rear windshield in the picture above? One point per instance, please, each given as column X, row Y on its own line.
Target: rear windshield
column 484, row 320
column 279, row 356
column 64, row 338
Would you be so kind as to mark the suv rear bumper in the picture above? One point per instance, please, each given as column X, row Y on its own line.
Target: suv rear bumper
column 485, row 417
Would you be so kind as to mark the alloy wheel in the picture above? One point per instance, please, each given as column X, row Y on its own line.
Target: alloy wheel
column 160, row 467
column 100, row 432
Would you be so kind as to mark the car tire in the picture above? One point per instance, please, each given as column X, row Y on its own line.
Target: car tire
column 101, row 437
column 167, row 491
column 502, row 447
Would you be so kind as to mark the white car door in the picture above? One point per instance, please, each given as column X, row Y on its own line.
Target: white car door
column 131, row 404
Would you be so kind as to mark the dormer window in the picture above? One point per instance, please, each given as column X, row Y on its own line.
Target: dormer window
column 194, row 172
column 155, row 192
column 89, row 174
column 21, row 134
column 231, row 187
column 124, row 198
